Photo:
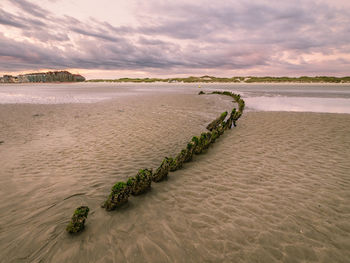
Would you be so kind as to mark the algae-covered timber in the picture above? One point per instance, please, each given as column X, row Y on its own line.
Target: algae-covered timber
column 189, row 151
column 241, row 105
column 178, row 161
column 119, row 195
column 77, row 223
column 141, row 183
column 206, row 140
column 203, row 143
column 172, row 164
column 197, row 143
column 235, row 115
column 221, row 128
column 215, row 123
column 228, row 124
column 162, row 171
column 214, row 136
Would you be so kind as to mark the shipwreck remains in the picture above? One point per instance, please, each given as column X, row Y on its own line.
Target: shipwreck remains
column 119, row 195
column 142, row 182
column 77, row 223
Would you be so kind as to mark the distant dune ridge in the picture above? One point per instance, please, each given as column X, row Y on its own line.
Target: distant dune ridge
column 65, row 76
column 51, row 76
column 248, row 79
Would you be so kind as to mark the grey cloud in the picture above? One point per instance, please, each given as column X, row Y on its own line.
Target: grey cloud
column 148, row 41
column 8, row 19
column 24, row 55
column 31, row 8
column 119, row 30
column 45, row 36
column 203, row 35
column 90, row 33
column 19, row 21
column 308, row 24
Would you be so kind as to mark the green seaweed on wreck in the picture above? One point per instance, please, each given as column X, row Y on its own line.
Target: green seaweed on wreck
column 215, row 123
column 205, row 140
column 214, row 135
column 119, row 195
column 181, row 158
column 189, row 151
column 77, row 223
column 141, row 183
column 162, row 171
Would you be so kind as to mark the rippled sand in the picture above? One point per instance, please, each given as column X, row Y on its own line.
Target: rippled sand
column 275, row 188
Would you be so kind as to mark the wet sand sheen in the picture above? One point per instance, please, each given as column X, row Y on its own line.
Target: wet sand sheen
column 274, row 188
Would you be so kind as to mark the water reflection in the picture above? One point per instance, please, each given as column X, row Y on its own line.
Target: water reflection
column 260, row 97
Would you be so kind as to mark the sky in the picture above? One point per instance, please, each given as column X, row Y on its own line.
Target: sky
column 154, row 38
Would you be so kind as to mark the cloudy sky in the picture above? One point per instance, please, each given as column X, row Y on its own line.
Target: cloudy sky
column 154, row 38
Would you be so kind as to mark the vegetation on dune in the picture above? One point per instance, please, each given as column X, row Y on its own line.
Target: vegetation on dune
column 302, row 79
column 248, row 79
column 65, row 76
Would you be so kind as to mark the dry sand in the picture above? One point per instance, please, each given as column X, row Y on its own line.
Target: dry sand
column 275, row 188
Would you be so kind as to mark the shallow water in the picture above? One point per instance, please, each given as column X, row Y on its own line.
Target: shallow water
column 275, row 188
column 325, row 98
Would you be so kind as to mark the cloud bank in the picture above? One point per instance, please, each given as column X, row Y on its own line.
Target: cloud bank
column 178, row 37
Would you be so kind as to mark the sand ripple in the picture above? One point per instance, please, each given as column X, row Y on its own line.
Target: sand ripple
column 275, row 188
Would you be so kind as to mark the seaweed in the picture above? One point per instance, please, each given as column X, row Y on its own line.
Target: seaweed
column 178, row 161
column 206, row 140
column 214, row 135
column 228, row 124
column 189, row 150
column 215, row 123
column 77, row 223
column 162, row 171
column 119, row 195
column 141, row 183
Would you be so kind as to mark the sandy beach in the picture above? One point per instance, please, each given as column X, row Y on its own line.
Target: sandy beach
column 274, row 189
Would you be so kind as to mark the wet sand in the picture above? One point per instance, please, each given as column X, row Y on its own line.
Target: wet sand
column 275, row 188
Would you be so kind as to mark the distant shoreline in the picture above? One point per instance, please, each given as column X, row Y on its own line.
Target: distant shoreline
column 238, row 80
column 188, row 83
column 67, row 77
column 231, row 83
